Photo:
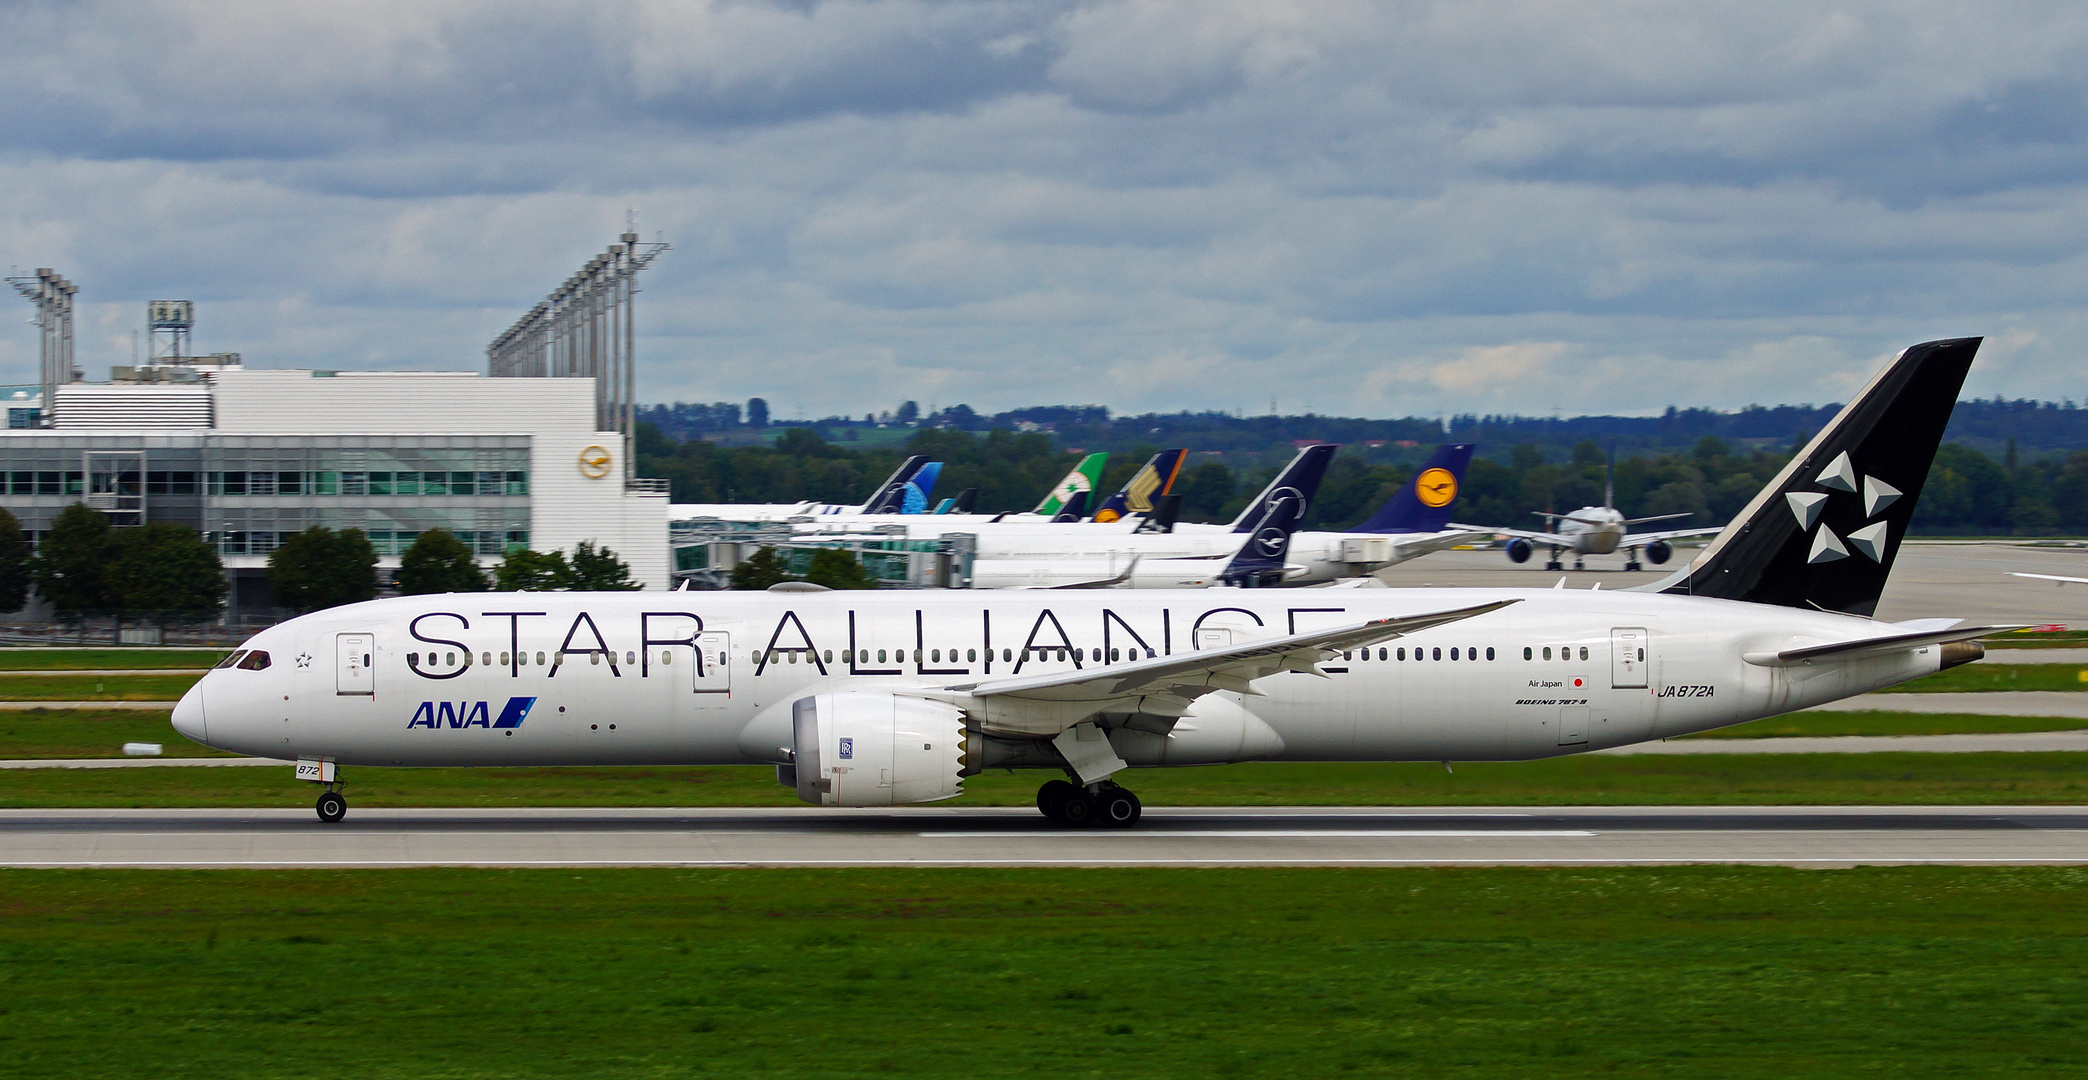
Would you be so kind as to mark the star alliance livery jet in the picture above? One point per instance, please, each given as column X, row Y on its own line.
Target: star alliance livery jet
column 882, row 698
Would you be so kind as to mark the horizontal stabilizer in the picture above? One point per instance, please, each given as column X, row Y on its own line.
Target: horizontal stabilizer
column 1863, row 648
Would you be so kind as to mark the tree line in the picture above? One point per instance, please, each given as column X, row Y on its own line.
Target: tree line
column 1968, row 492
column 170, row 575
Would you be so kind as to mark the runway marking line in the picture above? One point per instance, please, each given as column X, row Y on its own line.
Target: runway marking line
column 1854, row 860
column 1251, row 834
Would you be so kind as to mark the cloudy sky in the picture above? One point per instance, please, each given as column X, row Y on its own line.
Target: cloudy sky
column 1377, row 209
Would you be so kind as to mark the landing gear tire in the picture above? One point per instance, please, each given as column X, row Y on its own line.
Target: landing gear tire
column 1052, row 797
column 1117, row 808
column 1080, row 810
column 332, row 807
column 1632, row 564
column 1554, row 565
column 1577, row 565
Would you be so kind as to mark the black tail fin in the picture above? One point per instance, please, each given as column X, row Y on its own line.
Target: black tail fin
column 966, row 499
column 1299, row 480
column 1075, row 508
column 1277, row 513
column 1166, row 508
column 1823, row 534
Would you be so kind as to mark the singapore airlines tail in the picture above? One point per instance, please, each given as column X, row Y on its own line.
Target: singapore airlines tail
column 1153, row 480
column 1823, row 534
column 1423, row 506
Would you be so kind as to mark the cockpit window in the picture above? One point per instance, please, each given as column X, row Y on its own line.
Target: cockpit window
column 256, row 660
column 232, row 659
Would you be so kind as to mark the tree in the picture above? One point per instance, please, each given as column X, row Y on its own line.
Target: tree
column 909, row 411
column 321, row 568
column 14, row 564
column 599, row 570
column 757, row 412
column 838, row 569
column 166, row 573
column 71, row 563
column 523, row 570
column 763, row 569
column 439, row 563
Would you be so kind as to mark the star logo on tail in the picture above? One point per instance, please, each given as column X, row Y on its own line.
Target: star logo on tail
column 1868, row 541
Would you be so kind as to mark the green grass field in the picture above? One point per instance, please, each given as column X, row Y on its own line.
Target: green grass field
column 90, row 733
column 1890, row 723
column 1992, row 676
column 94, row 659
column 95, row 687
column 1690, row 971
column 1647, row 780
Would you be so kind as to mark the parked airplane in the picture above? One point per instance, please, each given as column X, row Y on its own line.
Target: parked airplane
column 875, row 699
column 1595, row 530
column 1411, row 524
column 889, row 498
column 1153, row 480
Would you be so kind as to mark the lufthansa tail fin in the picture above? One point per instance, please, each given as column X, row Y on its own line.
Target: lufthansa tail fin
column 890, row 496
column 1152, row 480
column 1823, row 534
column 1423, row 506
column 1274, row 516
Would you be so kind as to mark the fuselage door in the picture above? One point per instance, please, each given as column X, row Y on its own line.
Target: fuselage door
column 354, row 657
column 714, row 663
column 1628, row 657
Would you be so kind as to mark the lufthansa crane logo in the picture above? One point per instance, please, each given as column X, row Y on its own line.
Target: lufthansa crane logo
column 1436, row 487
column 594, row 463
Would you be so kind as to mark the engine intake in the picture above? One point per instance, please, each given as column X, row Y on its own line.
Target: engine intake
column 869, row 749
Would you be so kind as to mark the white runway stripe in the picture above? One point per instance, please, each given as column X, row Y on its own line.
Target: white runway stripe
column 1252, row 834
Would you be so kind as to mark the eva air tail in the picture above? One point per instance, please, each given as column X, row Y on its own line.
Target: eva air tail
column 1154, row 479
column 1084, row 477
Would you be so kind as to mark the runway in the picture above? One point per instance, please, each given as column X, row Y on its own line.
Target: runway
column 1593, row 836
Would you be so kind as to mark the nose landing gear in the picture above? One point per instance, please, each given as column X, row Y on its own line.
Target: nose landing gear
column 1103, row 804
column 332, row 806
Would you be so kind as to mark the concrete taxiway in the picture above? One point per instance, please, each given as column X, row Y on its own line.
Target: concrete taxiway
column 927, row 836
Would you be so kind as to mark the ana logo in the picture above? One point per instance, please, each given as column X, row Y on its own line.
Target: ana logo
column 1435, row 487
column 847, row 749
column 1840, row 475
column 470, row 714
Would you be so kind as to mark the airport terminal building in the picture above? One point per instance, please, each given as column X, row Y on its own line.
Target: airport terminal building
column 250, row 457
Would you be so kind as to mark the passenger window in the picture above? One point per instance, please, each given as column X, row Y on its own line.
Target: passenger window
column 1438, row 654
column 880, row 656
column 666, row 658
column 936, row 656
column 793, row 656
column 1526, row 652
column 848, row 656
column 232, row 660
column 503, row 659
column 253, row 661
column 1007, row 655
column 487, row 659
column 630, row 658
column 827, row 656
column 1489, row 652
column 449, row 659
column 1400, row 655
column 971, row 656
column 540, row 659
column 1547, row 652
column 1584, row 652
column 412, row 658
column 1453, row 652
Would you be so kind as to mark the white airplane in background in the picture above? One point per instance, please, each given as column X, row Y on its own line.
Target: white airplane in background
column 882, row 698
column 1595, row 530
column 889, row 498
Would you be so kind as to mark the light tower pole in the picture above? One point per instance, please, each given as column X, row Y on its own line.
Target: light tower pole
column 53, row 297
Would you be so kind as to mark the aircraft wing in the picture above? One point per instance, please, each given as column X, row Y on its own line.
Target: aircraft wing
column 1100, row 583
column 1532, row 535
column 1418, row 544
column 1632, row 540
column 1875, row 646
column 2051, row 577
column 1177, row 680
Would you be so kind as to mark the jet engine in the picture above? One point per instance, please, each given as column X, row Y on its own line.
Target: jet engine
column 1518, row 550
column 869, row 749
column 1658, row 551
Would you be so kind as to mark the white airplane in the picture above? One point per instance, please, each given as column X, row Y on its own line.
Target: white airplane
column 1595, row 530
column 889, row 498
column 877, row 699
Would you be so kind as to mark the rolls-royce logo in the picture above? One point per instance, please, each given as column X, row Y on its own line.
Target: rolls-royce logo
column 594, row 463
column 1840, row 475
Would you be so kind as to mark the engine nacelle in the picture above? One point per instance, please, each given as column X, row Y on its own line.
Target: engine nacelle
column 1519, row 550
column 869, row 749
column 1658, row 552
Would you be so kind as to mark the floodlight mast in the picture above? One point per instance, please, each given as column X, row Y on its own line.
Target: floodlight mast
column 53, row 297
column 586, row 328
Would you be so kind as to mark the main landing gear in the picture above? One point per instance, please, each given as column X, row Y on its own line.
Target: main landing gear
column 1103, row 804
column 1632, row 564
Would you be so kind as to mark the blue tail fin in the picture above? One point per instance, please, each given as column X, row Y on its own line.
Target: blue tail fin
column 1299, row 480
column 1154, row 479
column 1075, row 508
column 914, row 495
column 1424, row 504
column 890, row 496
column 1274, row 517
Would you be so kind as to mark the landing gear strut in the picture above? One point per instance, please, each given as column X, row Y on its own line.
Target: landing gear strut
column 1632, row 564
column 1103, row 804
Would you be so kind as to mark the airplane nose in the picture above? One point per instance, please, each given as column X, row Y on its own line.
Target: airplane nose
column 188, row 715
